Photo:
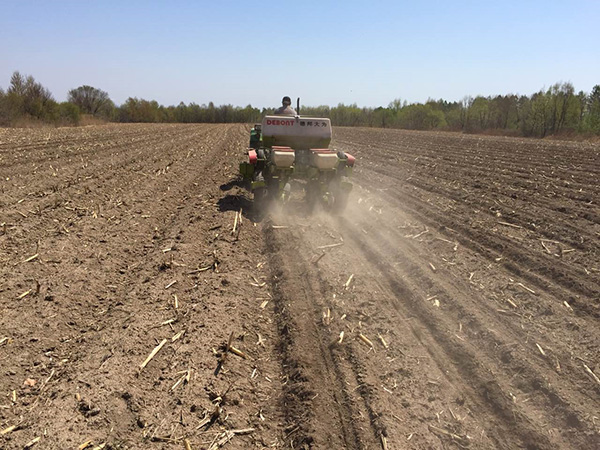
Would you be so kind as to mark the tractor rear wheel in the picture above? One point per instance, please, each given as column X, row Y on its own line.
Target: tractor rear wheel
column 341, row 191
column 261, row 199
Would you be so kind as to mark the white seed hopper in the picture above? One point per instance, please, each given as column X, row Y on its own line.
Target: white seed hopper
column 298, row 132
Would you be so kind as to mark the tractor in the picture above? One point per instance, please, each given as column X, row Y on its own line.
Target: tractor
column 287, row 148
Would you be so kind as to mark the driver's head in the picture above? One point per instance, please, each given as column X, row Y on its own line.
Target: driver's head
column 286, row 101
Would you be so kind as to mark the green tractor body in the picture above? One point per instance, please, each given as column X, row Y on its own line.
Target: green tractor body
column 286, row 148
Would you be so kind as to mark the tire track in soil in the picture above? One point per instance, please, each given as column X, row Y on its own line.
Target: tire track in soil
column 486, row 313
column 321, row 411
column 509, row 428
column 486, row 399
column 468, row 367
column 569, row 405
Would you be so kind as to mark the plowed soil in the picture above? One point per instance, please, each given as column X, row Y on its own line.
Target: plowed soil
column 455, row 304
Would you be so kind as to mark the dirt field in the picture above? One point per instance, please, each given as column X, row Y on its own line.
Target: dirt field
column 464, row 276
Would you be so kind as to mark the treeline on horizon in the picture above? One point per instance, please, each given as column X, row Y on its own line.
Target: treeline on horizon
column 553, row 111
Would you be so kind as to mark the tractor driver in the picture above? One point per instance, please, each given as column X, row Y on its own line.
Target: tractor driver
column 286, row 109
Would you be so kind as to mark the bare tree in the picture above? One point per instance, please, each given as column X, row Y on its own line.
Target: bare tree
column 17, row 84
column 89, row 99
column 560, row 96
column 465, row 109
column 28, row 96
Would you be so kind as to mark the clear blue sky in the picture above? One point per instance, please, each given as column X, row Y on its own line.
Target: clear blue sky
column 326, row 52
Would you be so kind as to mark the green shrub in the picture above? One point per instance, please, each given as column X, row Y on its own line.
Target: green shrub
column 69, row 113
